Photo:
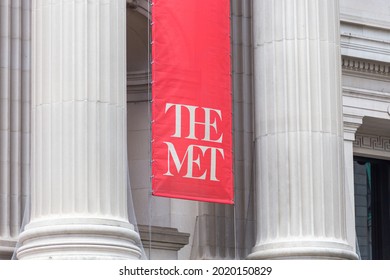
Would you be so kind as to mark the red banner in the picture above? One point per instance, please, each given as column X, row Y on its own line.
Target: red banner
column 191, row 106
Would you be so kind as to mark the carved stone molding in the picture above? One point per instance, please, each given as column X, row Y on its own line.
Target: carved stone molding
column 163, row 238
column 371, row 142
column 347, row 18
column 359, row 65
column 351, row 125
column 137, row 86
column 372, row 146
column 141, row 6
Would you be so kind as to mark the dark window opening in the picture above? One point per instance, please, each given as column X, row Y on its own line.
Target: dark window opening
column 372, row 207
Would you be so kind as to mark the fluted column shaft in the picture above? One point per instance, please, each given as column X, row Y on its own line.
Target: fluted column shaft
column 14, row 119
column 79, row 176
column 299, row 131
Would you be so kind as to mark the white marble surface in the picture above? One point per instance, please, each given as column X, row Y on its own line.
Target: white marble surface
column 299, row 131
column 79, row 176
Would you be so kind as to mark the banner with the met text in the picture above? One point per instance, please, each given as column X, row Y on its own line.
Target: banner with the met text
column 191, row 100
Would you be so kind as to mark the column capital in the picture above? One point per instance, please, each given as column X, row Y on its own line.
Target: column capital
column 351, row 124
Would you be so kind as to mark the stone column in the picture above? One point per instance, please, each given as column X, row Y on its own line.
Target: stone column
column 299, row 131
column 79, row 176
column 14, row 119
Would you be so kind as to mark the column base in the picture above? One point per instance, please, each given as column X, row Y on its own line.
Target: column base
column 77, row 239
column 303, row 250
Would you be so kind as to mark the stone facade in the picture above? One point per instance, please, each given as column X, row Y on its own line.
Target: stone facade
column 311, row 90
